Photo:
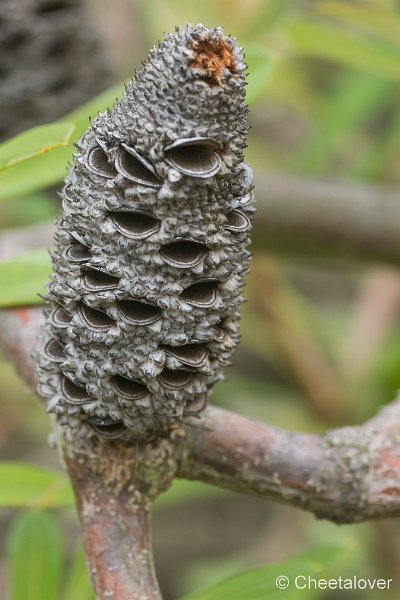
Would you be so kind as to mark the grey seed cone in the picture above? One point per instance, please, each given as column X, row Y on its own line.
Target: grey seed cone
column 143, row 306
column 51, row 62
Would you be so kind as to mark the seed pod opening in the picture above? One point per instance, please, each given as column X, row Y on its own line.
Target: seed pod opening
column 60, row 318
column 202, row 294
column 135, row 225
column 193, row 355
column 184, row 254
column 105, row 427
column 138, row 313
column 195, row 157
column 136, row 168
column 95, row 320
column 54, row 351
column 196, row 405
column 77, row 253
column 129, row 388
column 97, row 281
column 73, row 393
column 175, row 379
column 236, row 221
column 98, row 163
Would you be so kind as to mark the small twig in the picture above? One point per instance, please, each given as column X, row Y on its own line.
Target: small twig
column 320, row 219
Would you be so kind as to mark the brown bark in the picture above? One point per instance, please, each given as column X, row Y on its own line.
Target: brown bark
column 347, row 475
column 115, row 486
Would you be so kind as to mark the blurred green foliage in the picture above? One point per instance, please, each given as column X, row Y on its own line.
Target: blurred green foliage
column 324, row 88
column 261, row 583
column 36, row 556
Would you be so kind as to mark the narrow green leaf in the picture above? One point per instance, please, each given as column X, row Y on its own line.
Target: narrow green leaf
column 23, row 278
column 261, row 583
column 36, row 141
column 36, row 174
column 260, row 68
column 44, row 170
column 324, row 40
column 78, row 586
column 35, row 552
column 25, row 485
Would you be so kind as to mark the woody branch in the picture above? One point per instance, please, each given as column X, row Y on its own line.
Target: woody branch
column 347, row 475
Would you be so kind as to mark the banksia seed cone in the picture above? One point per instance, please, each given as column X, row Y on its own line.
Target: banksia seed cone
column 51, row 61
column 142, row 312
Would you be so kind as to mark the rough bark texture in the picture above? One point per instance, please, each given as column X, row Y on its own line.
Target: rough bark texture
column 115, row 486
column 347, row 475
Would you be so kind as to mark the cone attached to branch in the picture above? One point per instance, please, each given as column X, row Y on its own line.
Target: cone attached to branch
column 142, row 310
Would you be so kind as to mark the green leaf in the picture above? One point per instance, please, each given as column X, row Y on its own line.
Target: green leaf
column 35, row 552
column 44, row 170
column 260, row 68
column 25, row 485
column 261, row 583
column 78, row 586
column 36, row 174
column 34, row 142
column 23, row 278
column 324, row 40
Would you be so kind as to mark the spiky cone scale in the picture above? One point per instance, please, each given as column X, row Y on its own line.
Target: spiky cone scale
column 143, row 306
column 52, row 61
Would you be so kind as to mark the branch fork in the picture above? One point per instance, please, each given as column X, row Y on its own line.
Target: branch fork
column 346, row 475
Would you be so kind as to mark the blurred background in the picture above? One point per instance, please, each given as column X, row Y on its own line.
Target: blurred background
column 320, row 337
